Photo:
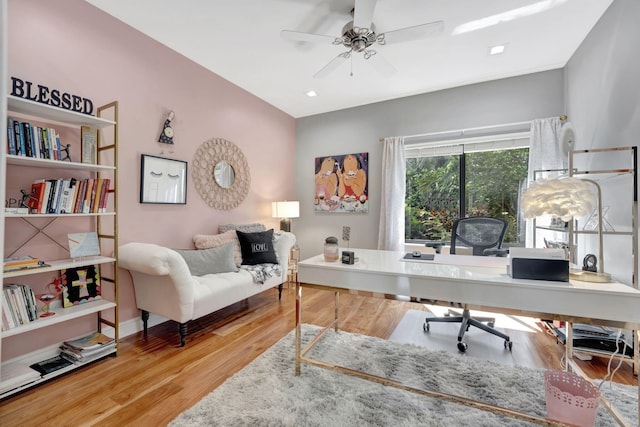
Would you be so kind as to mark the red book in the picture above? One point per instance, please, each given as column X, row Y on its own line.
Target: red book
column 104, row 195
column 37, row 194
column 82, row 188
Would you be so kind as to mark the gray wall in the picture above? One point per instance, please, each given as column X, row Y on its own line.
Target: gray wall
column 602, row 92
column 355, row 130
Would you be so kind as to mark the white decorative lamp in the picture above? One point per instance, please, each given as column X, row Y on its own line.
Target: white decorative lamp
column 285, row 210
column 567, row 197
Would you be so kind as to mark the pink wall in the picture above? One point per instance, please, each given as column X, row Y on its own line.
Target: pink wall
column 72, row 46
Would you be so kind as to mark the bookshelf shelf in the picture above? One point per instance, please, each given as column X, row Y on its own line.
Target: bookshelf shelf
column 34, row 216
column 10, row 386
column 62, row 315
column 59, row 265
column 55, row 164
column 15, row 374
column 43, row 112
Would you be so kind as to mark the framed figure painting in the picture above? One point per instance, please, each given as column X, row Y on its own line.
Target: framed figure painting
column 341, row 183
column 163, row 180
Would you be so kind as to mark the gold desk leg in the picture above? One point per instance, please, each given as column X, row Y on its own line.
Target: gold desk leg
column 298, row 326
column 568, row 344
column 335, row 313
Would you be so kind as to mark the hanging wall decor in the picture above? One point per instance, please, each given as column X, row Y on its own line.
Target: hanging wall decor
column 341, row 183
column 221, row 174
column 163, row 180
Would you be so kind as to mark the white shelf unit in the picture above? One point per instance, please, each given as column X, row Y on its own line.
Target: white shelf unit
column 15, row 373
column 602, row 165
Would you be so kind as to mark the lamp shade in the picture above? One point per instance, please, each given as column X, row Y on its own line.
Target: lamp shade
column 285, row 209
column 563, row 197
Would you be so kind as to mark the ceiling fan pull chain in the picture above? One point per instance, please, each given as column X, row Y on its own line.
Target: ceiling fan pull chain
column 351, row 73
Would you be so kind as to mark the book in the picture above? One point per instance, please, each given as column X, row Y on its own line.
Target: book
column 17, row 303
column 68, row 198
column 86, row 207
column 51, row 365
column 11, row 137
column 53, row 196
column 45, row 143
column 28, row 138
column 77, row 207
column 104, row 195
column 96, row 199
column 51, row 136
column 8, row 319
column 17, row 129
column 42, row 264
column 86, row 358
column 20, row 261
column 37, row 195
column 92, row 341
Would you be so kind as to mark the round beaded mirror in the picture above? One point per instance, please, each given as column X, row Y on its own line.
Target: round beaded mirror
column 227, row 194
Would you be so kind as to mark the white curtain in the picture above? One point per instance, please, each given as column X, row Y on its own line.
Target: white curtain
column 545, row 152
column 391, row 231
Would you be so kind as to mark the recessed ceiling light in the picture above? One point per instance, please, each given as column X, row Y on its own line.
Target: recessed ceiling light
column 311, row 93
column 495, row 50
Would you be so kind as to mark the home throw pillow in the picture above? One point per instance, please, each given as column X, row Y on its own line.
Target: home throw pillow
column 209, row 261
column 257, row 248
column 206, row 241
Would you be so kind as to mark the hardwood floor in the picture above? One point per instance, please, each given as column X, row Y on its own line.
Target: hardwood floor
column 152, row 381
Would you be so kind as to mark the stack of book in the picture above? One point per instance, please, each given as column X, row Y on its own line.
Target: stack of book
column 18, row 306
column 21, row 263
column 25, row 139
column 87, row 348
column 60, row 196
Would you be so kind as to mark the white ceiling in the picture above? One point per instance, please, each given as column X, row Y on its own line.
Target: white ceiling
column 240, row 41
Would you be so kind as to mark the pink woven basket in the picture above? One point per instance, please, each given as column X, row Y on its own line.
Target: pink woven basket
column 570, row 398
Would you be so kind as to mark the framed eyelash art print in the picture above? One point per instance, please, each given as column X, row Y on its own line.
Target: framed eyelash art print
column 163, row 180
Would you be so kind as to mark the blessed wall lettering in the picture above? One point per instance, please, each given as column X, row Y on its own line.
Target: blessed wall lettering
column 259, row 247
column 44, row 95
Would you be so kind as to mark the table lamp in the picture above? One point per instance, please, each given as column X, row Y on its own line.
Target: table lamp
column 567, row 197
column 285, row 210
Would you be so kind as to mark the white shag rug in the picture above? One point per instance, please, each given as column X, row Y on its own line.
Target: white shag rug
column 267, row 393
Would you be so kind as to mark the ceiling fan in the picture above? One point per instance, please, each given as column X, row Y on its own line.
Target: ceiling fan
column 360, row 34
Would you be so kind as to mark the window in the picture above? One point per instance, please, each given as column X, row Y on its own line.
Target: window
column 448, row 180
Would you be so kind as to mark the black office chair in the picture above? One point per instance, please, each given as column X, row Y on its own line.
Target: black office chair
column 484, row 236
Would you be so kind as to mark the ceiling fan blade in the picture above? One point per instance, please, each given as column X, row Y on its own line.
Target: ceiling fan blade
column 332, row 65
column 381, row 65
column 308, row 37
column 412, row 33
column 363, row 13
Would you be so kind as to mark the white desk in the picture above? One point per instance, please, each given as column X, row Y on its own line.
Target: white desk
column 474, row 282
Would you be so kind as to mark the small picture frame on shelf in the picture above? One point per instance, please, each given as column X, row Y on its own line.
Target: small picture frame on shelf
column 89, row 145
column 83, row 244
column 80, row 285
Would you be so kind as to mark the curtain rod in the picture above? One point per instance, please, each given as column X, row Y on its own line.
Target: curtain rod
column 461, row 132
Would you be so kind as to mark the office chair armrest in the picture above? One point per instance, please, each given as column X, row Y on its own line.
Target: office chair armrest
column 497, row 252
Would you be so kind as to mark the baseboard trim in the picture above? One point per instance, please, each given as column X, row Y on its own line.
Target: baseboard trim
column 133, row 326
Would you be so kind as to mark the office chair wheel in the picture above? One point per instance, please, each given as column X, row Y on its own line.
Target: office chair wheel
column 508, row 344
column 426, row 327
column 462, row 347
